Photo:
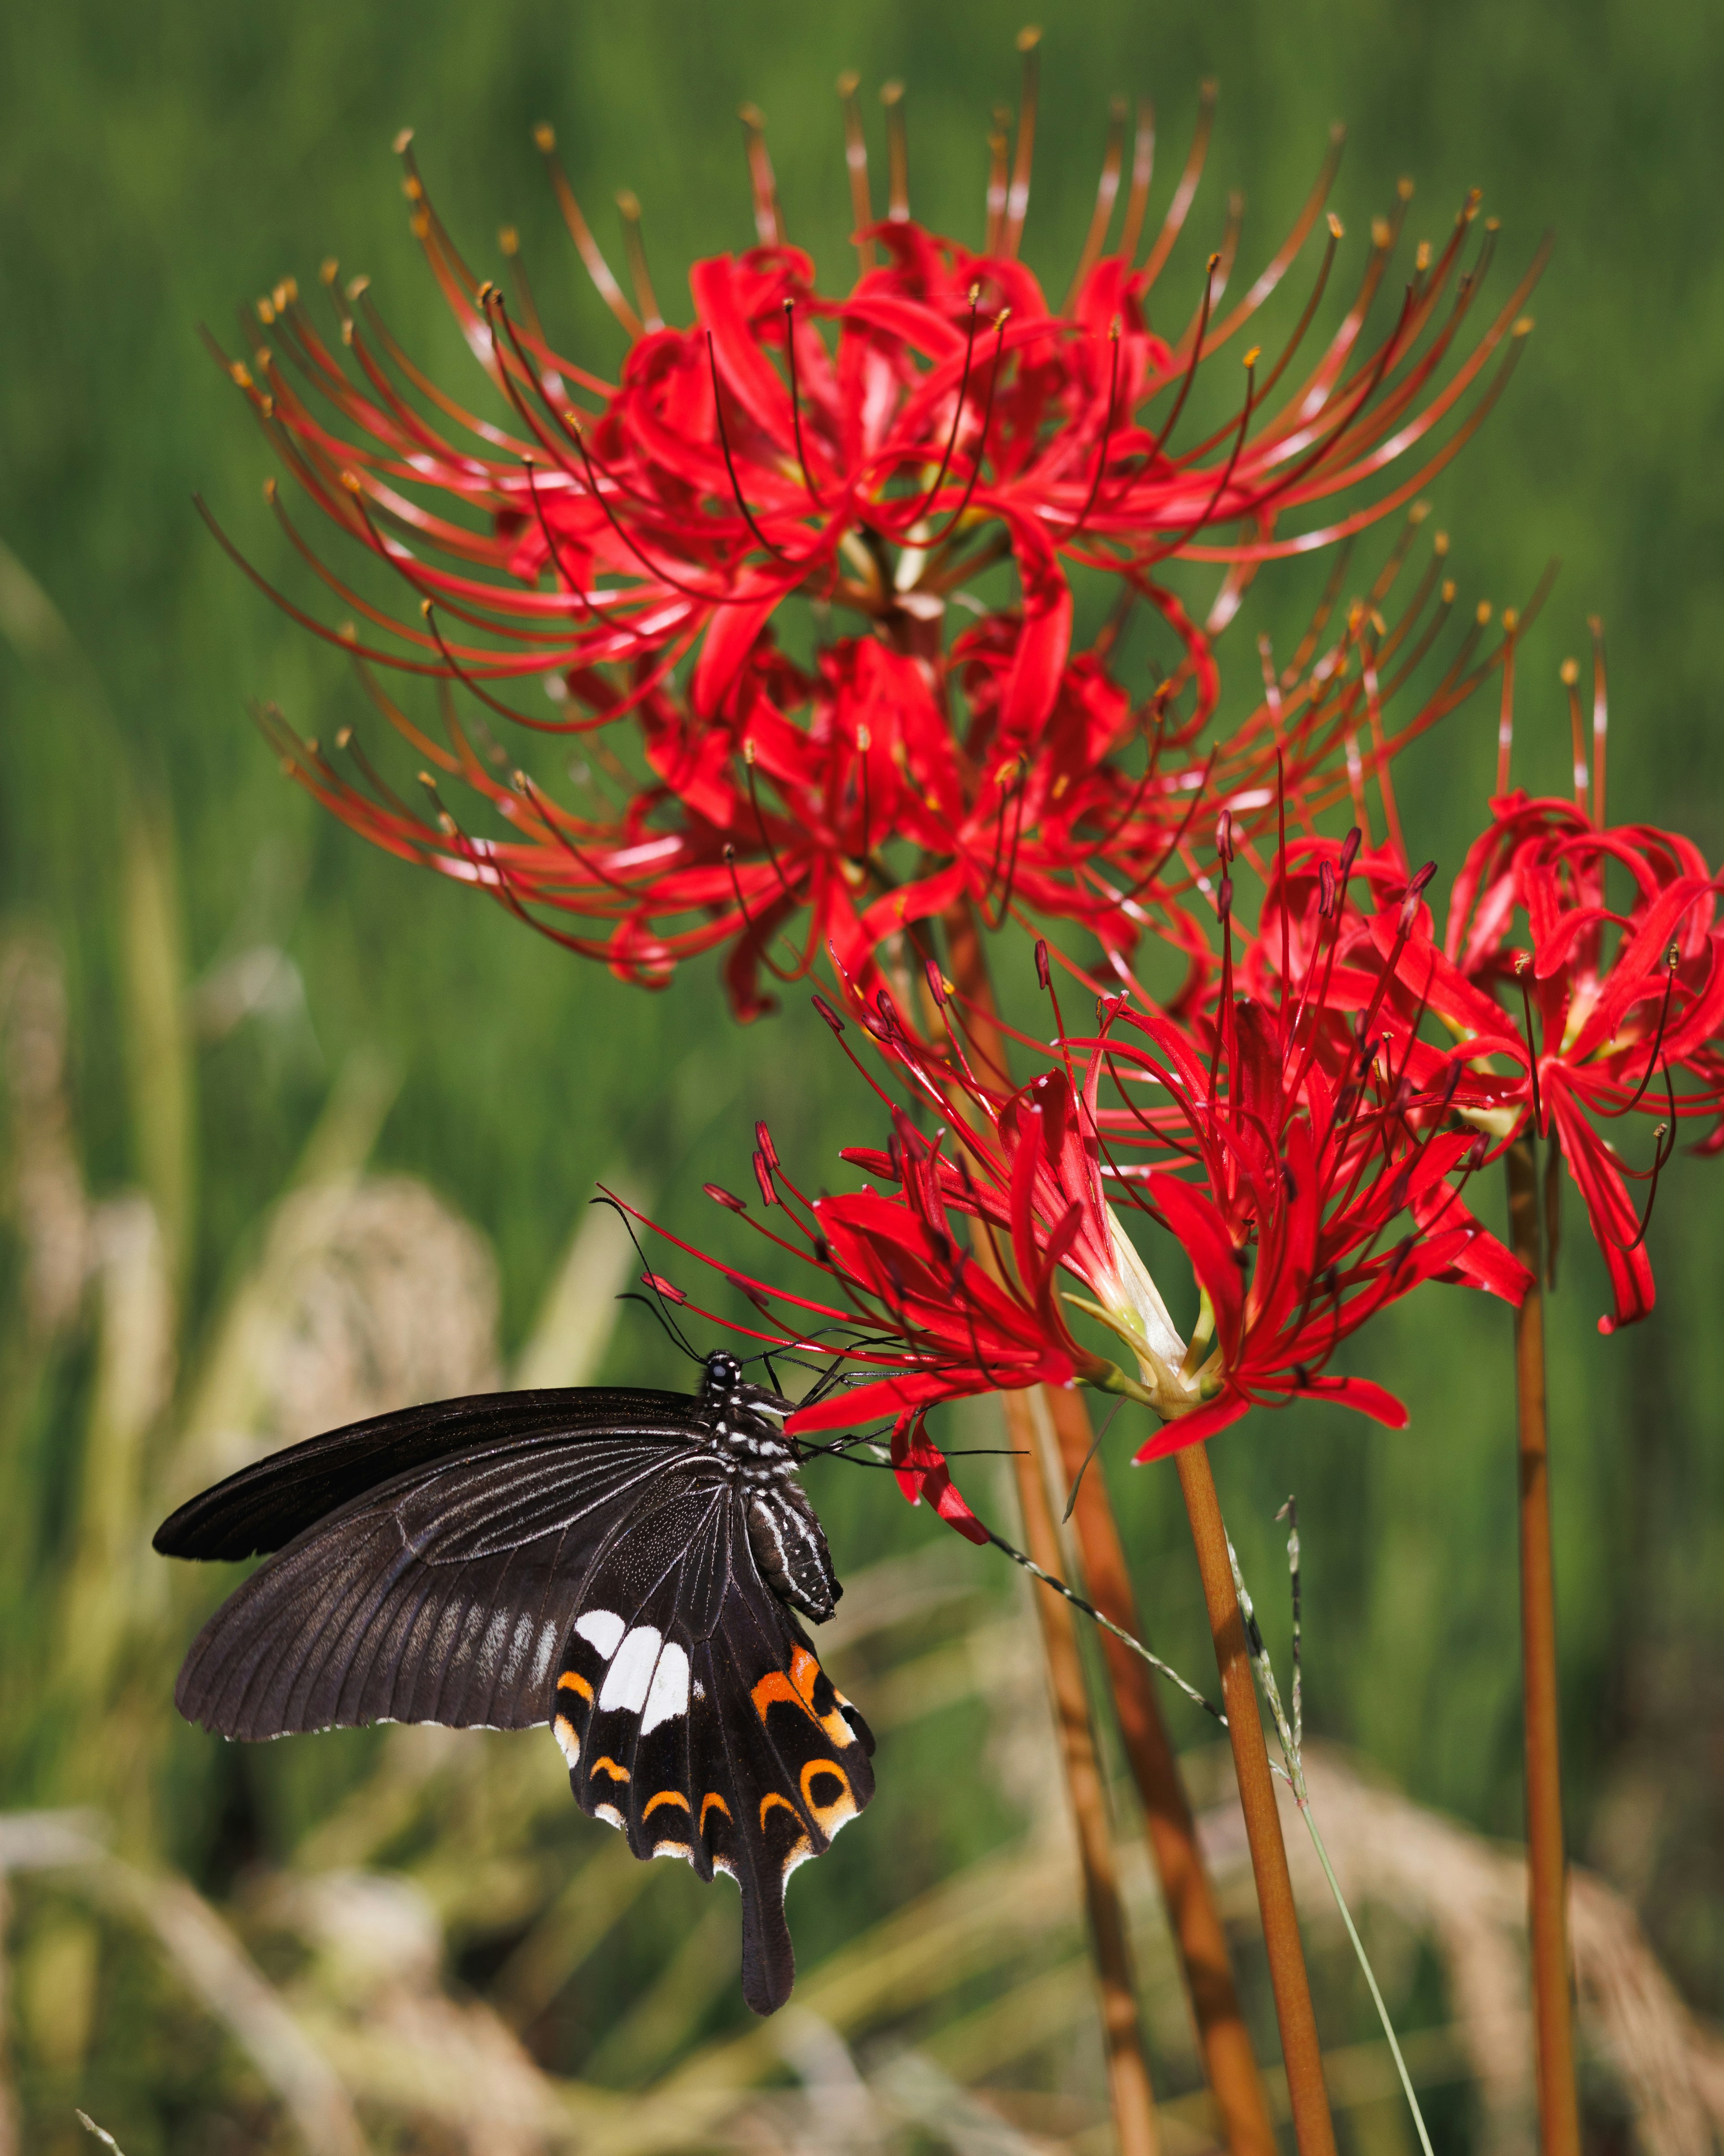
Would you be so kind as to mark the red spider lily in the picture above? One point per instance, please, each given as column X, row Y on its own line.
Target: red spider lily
column 874, row 452
column 1595, row 1017
column 1289, row 1178
column 848, row 794
column 1602, row 1012
column 953, row 419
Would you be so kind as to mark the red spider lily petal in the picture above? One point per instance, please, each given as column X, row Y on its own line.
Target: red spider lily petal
column 1359, row 1393
column 922, row 1473
column 1201, row 1230
column 1610, row 1213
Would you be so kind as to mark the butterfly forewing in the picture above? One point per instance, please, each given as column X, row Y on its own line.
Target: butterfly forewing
column 265, row 1507
column 443, row 1596
column 590, row 1558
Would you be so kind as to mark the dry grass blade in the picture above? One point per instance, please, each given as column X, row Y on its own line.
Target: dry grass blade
column 207, row 1956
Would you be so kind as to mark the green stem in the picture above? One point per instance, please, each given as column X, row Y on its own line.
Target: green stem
column 1317, row 1840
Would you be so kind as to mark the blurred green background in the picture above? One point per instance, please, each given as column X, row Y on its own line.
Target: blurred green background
column 159, row 166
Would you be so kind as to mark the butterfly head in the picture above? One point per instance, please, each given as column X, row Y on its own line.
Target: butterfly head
column 725, row 1387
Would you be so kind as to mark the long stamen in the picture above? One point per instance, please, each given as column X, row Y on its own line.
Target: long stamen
column 628, row 202
column 1673, row 958
column 856, row 162
column 570, row 584
column 768, row 218
column 1373, row 704
column 1018, row 194
column 724, row 443
column 1600, row 719
column 1532, row 1047
column 1106, row 194
column 473, row 687
column 597, row 268
column 796, row 403
column 1178, row 209
column 749, row 756
column 1173, row 844
column 891, row 97
column 957, row 412
column 998, row 179
column 994, row 375
column 1569, row 676
column 1113, row 383
column 652, row 569
column 1505, row 723
column 1160, row 440
column 1664, row 1144
column 756, row 934
column 1222, row 484
column 1143, row 171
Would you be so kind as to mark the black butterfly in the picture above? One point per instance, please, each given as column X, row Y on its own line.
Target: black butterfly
column 623, row 1565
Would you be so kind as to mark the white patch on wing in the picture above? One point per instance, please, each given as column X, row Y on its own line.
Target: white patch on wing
column 490, row 1649
column 674, row 1849
column 543, row 1652
column 670, row 1692
column 609, row 1815
column 601, row 1629
column 518, row 1645
column 631, row 1671
column 566, row 1737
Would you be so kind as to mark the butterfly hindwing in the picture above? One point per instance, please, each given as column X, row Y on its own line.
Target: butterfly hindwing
column 704, row 1727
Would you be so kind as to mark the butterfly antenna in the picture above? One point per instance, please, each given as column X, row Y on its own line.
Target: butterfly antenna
column 659, row 1306
column 1078, row 1482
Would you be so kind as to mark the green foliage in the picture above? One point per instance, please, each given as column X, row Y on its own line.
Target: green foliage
column 156, row 166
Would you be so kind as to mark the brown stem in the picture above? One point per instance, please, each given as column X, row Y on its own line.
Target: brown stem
column 1558, row 2106
column 1312, row 2126
column 1190, row 1899
column 1127, row 2070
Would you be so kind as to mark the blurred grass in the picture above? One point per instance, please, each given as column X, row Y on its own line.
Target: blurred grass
column 156, row 167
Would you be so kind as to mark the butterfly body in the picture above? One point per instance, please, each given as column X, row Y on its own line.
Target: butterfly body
column 625, row 1565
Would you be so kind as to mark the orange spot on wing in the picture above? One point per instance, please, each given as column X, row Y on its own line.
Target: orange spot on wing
column 772, row 1798
column 774, row 1687
column 569, row 1682
column 668, row 1797
column 832, row 1815
column 708, row 1802
column 607, row 1765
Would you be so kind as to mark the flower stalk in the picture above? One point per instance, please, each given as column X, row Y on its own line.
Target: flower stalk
column 1194, row 1913
column 1128, row 2081
column 1552, row 2014
column 1313, row 2128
